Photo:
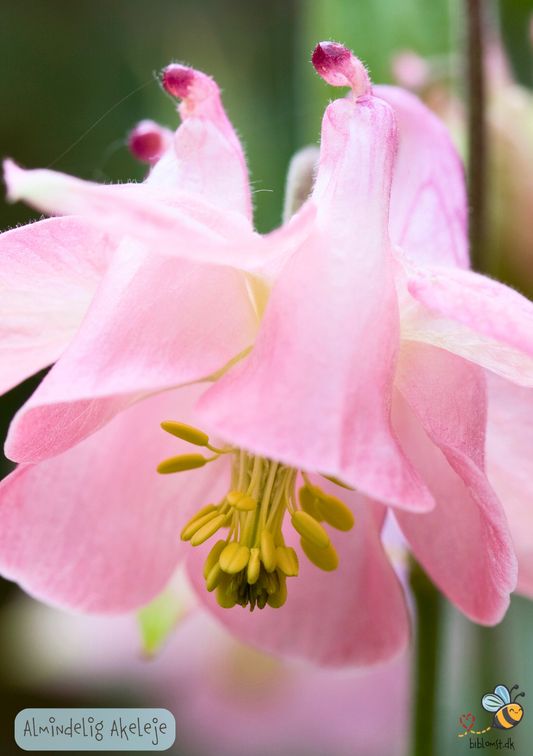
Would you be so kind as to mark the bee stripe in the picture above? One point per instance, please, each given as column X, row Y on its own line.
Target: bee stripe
column 505, row 719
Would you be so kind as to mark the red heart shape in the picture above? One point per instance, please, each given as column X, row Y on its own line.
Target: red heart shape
column 468, row 726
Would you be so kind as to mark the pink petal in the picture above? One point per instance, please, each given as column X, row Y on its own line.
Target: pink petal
column 97, row 529
column 464, row 543
column 498, row 320
column 283, row 242
column 315, row 391
column 168, row 221
column 49, row 273
column 428, row 200
column 154, row 324
column 355, row 616
column 509, row 457
column 206, row 157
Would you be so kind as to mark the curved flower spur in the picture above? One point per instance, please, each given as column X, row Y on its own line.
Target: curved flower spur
column 363, row 369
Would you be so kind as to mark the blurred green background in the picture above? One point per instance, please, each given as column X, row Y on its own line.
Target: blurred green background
column 86, row 69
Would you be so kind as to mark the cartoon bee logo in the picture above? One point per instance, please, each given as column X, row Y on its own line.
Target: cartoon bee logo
column 507, row 713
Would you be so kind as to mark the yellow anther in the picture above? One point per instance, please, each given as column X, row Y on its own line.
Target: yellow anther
column 309, row 528
column 186, row 432
column 254, row 567
column 250, row 567
column 203, row 511
column 308, row 501
column 337, row 482
column 181, row 463
column 324, row 559
column 276, row 600
column 268, row 551
column 233, row 497
column 196, row 523
column 223, row 600
column 240, row 501
column 287, row 561
column 234, row 558
column 207, row 530
column 229, row 552
column 213, row 556
column 335, row 512
column 246, row 504
column 215, row 576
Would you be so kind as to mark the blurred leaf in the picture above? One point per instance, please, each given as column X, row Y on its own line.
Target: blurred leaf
column 515, row 20
column 158, row 619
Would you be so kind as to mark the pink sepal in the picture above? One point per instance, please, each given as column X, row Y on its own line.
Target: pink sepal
column 509, row 461
column 464, row 544
column 97, row 529
column 154, row 324
column 49, row 273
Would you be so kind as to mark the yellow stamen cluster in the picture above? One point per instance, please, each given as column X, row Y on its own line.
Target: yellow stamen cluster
column 251, row 565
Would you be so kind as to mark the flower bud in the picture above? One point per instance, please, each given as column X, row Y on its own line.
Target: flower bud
column 148, row 141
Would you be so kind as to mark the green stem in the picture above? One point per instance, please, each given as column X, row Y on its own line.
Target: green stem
column 429, row 614
column 477, row 133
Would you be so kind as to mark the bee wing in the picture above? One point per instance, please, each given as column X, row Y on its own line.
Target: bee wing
column 492, row 702
column 503, row 693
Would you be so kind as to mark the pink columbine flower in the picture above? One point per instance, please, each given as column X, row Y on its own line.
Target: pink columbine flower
column 369, row 338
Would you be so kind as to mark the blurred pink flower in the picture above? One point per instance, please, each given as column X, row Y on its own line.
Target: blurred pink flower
column 410, row 70
column 365, row 367
column 509, row 115
column 510, row 125
column 227, row 698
